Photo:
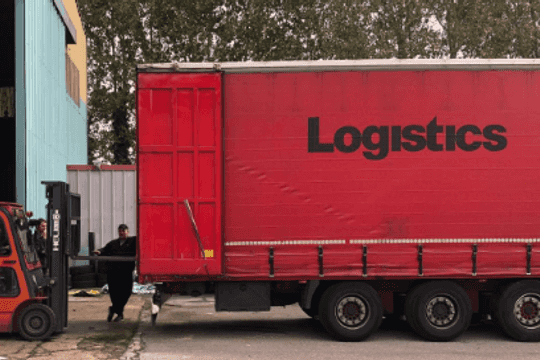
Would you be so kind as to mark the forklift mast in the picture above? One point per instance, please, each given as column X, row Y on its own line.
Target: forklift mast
column 64, row 228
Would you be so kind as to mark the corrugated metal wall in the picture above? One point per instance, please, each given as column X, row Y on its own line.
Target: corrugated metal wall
column 108, row 199
column 55, row 125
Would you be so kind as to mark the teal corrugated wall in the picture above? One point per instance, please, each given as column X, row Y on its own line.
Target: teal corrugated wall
column 55, row 125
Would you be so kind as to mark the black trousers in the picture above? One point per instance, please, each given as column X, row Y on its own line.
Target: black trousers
column 120, row 287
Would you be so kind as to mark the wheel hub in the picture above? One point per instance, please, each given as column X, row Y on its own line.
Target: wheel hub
column 352, row 311
column 36, row 322
column 527, row 310
column 441, row 311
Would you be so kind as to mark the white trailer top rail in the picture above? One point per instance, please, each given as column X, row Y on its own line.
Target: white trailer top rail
column 345, row 65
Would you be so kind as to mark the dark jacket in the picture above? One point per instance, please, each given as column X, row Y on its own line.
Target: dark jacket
column 113, row 248
column 40, row 244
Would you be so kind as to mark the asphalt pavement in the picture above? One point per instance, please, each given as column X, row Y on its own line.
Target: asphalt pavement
column 189, row 328
column 88, row 336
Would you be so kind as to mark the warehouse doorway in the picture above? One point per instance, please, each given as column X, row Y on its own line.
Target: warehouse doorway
column 7, row 160
column 7, row 101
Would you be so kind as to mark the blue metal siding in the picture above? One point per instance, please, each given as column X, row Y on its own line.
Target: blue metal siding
column 78, row 139
column 55, row 125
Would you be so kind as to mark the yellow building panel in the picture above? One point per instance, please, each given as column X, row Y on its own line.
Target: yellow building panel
column 77, row 52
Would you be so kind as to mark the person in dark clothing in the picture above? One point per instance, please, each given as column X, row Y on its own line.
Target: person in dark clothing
column 40, row 242
column 119, row 273
column 4, row 241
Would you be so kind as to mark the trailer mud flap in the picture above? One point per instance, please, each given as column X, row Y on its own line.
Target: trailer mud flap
column 180, row 158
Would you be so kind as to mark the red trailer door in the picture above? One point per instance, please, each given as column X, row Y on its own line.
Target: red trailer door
column 179, row 157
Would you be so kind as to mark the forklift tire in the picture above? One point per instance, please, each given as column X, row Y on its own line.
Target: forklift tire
column 36, row 322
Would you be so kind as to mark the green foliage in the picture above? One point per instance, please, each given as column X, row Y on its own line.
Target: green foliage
column 401, row 29
column 114, row 35
column 122, row 34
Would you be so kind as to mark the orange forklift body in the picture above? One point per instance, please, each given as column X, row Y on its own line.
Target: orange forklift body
column 17, row 270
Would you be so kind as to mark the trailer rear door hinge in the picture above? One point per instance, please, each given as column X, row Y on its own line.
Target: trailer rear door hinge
column 195, row 229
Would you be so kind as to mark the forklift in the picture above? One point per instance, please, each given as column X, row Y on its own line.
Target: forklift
column 34, row 300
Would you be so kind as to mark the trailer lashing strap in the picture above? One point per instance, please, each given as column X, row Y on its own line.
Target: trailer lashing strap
column 195, row 229
column 420, row 260
column 321, row 267
column 474, row 256
column 529, row 255
column 364, row 261
column 271, row 261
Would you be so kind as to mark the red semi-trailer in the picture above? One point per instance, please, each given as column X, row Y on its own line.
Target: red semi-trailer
column 354, row 188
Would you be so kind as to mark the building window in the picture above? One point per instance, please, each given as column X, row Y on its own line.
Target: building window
column 72, row 80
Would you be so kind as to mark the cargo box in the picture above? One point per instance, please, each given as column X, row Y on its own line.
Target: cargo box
column 338, row 170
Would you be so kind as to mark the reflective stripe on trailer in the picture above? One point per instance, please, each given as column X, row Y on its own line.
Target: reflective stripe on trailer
column 382, row 241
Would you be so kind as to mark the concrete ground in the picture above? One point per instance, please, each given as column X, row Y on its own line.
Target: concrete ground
column 88, row 336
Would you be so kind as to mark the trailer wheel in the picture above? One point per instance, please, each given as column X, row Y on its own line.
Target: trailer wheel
column 36, row 322
column 410, row 301
column 439, row 311
column 350, row 311
column 518, row 310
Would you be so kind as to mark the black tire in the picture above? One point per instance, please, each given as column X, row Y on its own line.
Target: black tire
column 350, row 311
column 84, row 284
column 439, row 310
column 518, row 310
column 410, row 302
column 101, row 267
column 101, row 280
column 84, row 269
column 36, row 322
column 84, row 277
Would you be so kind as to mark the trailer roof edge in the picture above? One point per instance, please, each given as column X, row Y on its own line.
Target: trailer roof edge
column 345, row 65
